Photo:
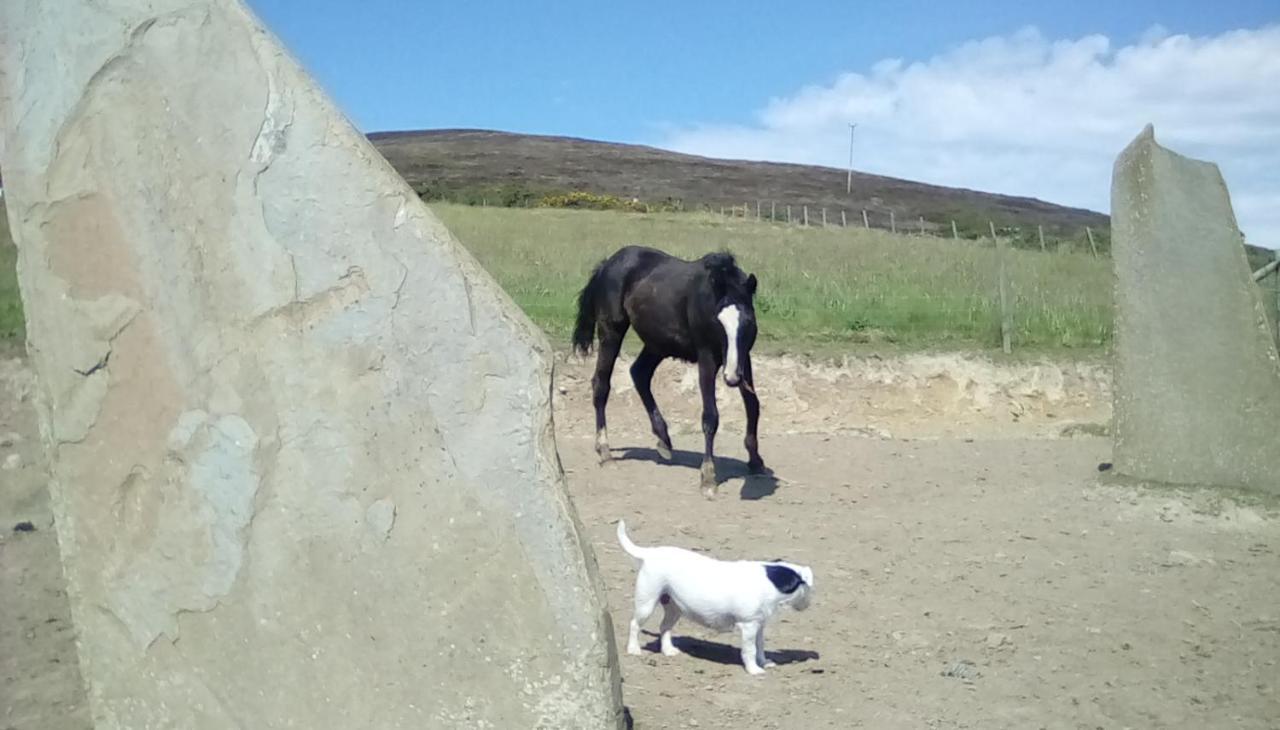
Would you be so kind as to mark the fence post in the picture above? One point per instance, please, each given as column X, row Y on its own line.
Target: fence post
column 1041, row 230
column 1006, row 323
column 824, row 217
column 805, row 209
column 1092, row 246
column 757, row 210
column 844, row 222
column 893, row 224
column 773, row 210
column 955, row 235
column 788, row 214
column 865, row 223
column 922, row 225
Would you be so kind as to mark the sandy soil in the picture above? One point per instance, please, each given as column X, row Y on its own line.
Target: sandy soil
column 39, row 677
column 974, row 569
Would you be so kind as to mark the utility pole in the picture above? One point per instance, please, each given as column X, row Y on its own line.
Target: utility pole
column 848, row 184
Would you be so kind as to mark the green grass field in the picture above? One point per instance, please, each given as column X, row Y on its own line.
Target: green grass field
column 11, row 324
column 819, row 289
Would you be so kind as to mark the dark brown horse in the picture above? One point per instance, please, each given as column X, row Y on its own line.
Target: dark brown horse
column 697, row 311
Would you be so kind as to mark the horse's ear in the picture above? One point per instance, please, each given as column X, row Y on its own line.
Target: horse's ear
column 751, row 284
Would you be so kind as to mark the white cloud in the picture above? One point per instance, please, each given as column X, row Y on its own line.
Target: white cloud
column 1026, row 115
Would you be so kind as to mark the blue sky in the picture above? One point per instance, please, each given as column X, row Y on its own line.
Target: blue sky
column 1014, row 97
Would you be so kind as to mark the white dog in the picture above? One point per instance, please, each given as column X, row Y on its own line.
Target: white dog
column 718, row 594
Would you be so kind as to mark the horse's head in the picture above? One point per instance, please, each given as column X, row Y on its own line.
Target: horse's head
column 735, row 292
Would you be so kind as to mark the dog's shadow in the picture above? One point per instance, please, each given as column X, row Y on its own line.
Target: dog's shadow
column 754, row 485
column 720, row 653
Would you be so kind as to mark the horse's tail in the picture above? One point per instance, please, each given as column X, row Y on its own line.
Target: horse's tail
column 584, row 330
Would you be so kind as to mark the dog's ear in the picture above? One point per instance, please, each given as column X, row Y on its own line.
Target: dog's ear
column 751, row 285
column 783, row 578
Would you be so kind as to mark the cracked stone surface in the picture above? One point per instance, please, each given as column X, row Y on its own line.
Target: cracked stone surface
column 303, row 468
column 1197, row 377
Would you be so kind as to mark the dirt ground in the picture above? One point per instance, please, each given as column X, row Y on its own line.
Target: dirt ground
column 39, row 675
column 973, row 567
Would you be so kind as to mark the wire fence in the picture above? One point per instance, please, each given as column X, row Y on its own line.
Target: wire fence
column 1267, row 276
column 1096, row 242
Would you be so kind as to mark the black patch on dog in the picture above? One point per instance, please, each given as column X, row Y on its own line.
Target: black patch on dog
column 664, row 599
column 783, row 578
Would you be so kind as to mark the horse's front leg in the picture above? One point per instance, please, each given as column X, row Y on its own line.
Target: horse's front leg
column 710, row 421
column 752, row 405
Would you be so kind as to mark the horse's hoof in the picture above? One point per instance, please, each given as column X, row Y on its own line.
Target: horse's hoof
column 708, row 479
column 756, row 467
column 605, row 456
column 664, row 451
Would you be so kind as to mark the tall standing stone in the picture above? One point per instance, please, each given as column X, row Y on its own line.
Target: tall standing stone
column 1197, row 377
column 303, row 462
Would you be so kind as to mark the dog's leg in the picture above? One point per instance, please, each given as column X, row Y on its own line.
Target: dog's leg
column 671, row 614
column 761, row 659
column 645, row 603
column 710, row 421
column 610, row 345
column 642, row 375
column 750, row 629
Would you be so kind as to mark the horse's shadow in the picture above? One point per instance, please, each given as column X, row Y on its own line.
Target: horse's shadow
column 721, row 653
column 754, row 485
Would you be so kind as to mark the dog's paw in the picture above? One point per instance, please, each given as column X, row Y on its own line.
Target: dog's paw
column 671, row 651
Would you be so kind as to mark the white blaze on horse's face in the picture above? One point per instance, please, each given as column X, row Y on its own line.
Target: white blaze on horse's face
column 729, row 319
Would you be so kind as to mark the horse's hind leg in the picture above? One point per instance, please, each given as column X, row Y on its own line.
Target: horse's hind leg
column 642, row 375
column 610, row 345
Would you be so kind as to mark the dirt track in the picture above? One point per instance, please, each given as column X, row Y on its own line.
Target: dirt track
column 950, row 526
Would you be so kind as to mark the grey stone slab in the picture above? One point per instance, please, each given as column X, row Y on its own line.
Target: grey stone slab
column 304, row 471
column 1197, row 377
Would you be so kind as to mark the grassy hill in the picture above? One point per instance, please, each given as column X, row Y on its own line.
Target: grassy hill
column 507, row 169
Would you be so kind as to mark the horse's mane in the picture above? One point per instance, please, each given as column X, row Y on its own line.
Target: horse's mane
column 720, row 263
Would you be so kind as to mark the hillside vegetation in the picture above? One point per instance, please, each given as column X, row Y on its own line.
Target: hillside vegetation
column 506, row 169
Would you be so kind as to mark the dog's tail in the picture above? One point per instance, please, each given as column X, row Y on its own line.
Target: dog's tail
column 631, row 548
